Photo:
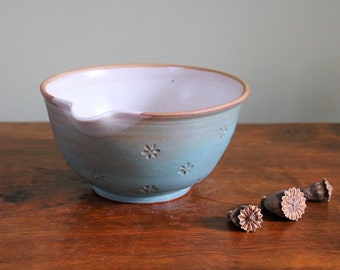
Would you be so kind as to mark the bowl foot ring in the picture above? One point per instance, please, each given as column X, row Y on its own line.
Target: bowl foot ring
column 155, row 198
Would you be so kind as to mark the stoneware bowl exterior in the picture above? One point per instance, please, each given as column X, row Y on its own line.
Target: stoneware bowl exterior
column 139, row 157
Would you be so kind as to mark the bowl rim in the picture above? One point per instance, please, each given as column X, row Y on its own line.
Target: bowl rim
column 197, row 112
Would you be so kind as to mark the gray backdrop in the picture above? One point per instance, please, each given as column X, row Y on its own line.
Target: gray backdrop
column 288, row 51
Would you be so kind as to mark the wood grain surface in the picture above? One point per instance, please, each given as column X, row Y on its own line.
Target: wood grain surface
column 51, row 219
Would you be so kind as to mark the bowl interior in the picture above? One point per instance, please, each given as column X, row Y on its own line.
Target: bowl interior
column 143, row 89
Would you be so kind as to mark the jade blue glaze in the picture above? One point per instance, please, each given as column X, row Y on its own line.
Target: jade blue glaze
column 142, row 158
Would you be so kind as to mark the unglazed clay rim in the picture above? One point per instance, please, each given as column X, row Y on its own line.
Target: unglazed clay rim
column 207, row 110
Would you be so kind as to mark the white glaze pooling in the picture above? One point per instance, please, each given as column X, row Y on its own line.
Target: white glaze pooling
column 158, row 89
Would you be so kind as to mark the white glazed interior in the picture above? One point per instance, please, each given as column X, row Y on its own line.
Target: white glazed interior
column 141, row 89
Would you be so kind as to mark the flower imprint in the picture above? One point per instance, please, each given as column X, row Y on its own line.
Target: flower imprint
column 150, row 151
column 96, row 174
column 222, row 132
column 149, row 189
column 185, row 168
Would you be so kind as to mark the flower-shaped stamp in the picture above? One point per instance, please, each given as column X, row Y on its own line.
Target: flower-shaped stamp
column 150, row 152
column 149, row 189
column 185, row 168
column 222, row 132
column 98, row 176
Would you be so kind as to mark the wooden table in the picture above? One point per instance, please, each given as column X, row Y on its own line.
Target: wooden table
column 51, row 219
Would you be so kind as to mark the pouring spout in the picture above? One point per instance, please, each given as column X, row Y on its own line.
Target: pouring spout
column 106, row 124
column 102, row 124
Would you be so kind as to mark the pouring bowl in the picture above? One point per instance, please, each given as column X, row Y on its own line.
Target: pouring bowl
column 143, row 133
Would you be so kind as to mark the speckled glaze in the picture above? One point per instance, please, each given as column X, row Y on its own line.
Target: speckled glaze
column 138, row 156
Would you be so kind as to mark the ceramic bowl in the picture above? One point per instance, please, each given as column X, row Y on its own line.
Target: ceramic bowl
column 143, row 133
